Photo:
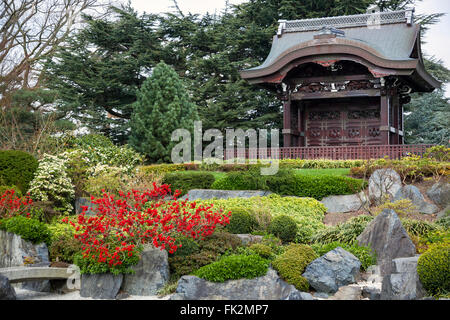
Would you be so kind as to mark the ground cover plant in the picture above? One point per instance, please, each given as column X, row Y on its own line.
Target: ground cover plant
column 292, row 263
column 308, row 213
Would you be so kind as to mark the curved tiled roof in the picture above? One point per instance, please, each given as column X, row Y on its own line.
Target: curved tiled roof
column 390, row 44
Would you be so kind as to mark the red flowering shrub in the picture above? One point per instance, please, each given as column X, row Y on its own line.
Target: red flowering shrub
column 11, row 205
column 114, row 235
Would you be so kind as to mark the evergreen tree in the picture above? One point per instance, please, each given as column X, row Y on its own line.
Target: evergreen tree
column 162, row 106
column 98, row 71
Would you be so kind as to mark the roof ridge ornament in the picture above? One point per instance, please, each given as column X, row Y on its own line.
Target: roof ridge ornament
column 326, row 30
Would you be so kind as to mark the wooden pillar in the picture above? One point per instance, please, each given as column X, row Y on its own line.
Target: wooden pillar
column 301, row 125
column 396, row 107
column 287, row 126
column 384, row 110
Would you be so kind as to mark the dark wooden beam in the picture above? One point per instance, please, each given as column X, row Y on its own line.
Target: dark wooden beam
column 328, row 79
column 332, row 95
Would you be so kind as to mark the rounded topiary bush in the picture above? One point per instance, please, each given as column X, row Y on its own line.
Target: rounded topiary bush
column 242, row 222
column 234, row 267
column 292, row 263
column 433, row 268
column 284, row 227
column 28, row 229
column 17, row 168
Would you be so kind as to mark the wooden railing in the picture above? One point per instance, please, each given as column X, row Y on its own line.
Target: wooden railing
column 332, row 153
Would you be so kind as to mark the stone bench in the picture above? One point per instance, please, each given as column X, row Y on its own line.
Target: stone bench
column 22, row 274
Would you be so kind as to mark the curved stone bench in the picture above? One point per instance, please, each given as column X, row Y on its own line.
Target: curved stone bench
column 22, row 274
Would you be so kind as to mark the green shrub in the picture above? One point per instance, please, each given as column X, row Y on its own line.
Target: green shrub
column 290, row 183
column 292, row 263
column 433, row 268
column 17, row 168
column 284, row 227
column 220, row 242
column 180, row 266
column 64, row 248
column 308, row 213
column 28, row 229
column 411, row 169
column 17, row 191
column 242, row 222
column 250, row 180
column 189, row 180
column 317, row 187
column 188, row 247
column 93, row 141
column 444, row 222
column 418, row 227
column 209, row 250
column 161, row 168
column 234, row 267
column 364, row 254
column 263, row 250
column 344, row 233
column 319, row 164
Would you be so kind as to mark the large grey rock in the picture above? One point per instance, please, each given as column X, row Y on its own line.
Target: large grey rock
column 297, row 295
column 196, row 194
column 440, row 193
column 16, row 252
column 346, row 203
column 7, row 292
column 383, row 183
column 100, row 286
column 334, row 269
column 403, row 283
column 268, row 287
column 413, row 193
column 151, row 273
column 387, row 237
column 371, row 292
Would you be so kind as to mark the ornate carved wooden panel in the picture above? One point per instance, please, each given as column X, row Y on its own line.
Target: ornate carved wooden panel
column 354, row 121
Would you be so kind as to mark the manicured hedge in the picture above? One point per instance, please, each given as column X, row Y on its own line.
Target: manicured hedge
column 290, row 183
column 17, row 168
column 189, row 180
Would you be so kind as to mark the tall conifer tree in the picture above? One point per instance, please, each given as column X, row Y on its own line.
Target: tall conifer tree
column 162, row 106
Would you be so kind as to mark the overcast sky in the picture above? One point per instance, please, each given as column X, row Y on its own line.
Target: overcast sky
column 437, row 38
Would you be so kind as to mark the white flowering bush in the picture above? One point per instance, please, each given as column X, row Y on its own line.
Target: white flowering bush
column 52, row 183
